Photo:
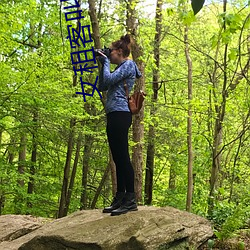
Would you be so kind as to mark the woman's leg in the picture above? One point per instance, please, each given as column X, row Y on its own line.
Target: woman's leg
column 118, row 124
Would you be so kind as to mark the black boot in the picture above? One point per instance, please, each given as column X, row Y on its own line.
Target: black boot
column 116, row 203
column 128, row 204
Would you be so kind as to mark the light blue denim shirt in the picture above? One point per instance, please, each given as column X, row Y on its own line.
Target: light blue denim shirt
column 113, row 82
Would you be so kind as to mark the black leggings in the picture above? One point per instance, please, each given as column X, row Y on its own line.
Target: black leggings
column 118, row 123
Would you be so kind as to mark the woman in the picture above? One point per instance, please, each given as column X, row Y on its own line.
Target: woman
column 119, row 119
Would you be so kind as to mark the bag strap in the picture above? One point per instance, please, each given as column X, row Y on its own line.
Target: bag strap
column 126, row 89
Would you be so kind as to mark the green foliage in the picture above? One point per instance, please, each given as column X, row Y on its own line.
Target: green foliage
column 222, row 210
column 236, row 220
column 40, row 80
column 241, row 245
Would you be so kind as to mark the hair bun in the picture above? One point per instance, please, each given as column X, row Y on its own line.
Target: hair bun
column 123, row 43
column 126, row 39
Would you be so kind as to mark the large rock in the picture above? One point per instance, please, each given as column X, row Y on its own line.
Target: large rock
column 147, row 229
column 15, row 226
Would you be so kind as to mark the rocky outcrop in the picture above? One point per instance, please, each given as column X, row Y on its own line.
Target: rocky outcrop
column 147, row 229
column 15, row 226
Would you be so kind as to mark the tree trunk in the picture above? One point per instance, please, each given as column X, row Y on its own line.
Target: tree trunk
column 19, row 198
column 85, row 169
column 151, row 134
column 33, row 156
column 94, row 23
column 217, row 142
column 137, row 126
column 189, row 125
column 148, row 189
column 11, row 152
column 172, row 170
column 21, row 159
column 97, row 41
column 64, row 192
column 99, row 189
column 2, row 200
column 96, row 34
column 35, row 111
column 172, row 178
column 1, row 135
column 62, row 205
column 73, row 174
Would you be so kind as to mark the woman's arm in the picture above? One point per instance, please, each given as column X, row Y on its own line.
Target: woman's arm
column 123, row 72
column 101, row 85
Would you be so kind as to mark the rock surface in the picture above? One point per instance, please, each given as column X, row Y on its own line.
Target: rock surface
column 15, row 226
column 147, row 229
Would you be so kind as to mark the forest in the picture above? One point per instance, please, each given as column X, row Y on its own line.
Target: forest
column 189, row 144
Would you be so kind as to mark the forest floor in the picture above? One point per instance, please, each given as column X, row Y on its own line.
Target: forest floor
column 241, row 242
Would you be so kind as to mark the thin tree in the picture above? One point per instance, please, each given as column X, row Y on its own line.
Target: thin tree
column 63, row 206
column 137, row 126
column 66, row 175
column 151, row 134
column 95, row 19
column 220, row 111
column 73, row 174
column 189, row 123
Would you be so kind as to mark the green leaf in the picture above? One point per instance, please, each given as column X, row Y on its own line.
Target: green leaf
column 226, row 36
column 187, row 17
column 233, row 54
column 197, row 5
column 210, row 244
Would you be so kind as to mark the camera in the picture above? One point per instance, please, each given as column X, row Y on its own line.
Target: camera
column 106, row 51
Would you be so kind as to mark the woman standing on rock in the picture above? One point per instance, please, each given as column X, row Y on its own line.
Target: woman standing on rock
column 119, row 120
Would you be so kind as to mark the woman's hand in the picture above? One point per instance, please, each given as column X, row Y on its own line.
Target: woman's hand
column 102, row 57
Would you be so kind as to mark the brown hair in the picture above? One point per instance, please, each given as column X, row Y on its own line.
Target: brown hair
column 124, row 44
